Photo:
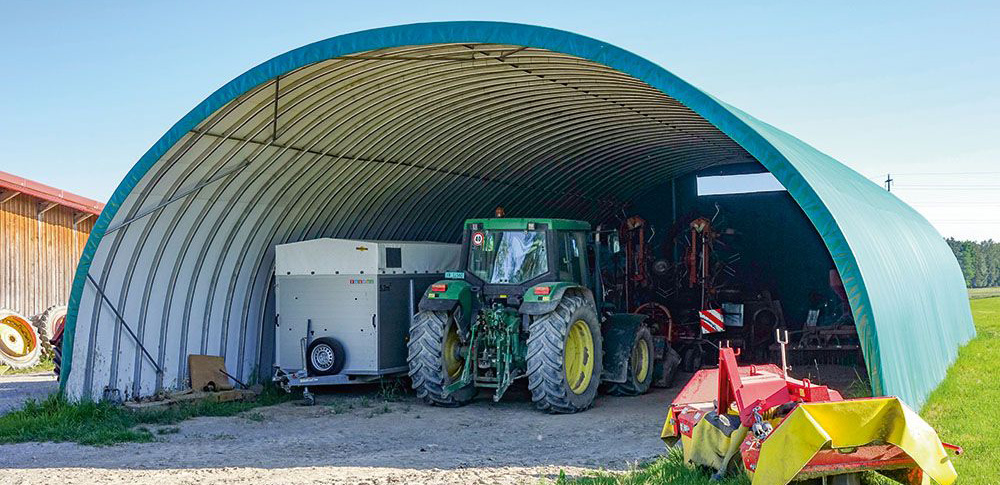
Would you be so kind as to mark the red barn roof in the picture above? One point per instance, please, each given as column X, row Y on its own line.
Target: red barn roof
column 10, row 182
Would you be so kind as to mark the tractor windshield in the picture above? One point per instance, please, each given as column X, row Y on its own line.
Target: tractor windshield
column 508, row 257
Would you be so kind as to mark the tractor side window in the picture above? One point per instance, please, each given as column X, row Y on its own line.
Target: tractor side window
column 580, row 240
column 567, row 256
column 572, row 265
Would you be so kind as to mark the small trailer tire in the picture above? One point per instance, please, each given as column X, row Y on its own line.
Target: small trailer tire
column 324, row 357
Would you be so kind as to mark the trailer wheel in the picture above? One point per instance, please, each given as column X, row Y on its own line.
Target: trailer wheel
column 435, row 360
column 640, row 367
column 19, row 344
column 324, row 357
column 565, row 357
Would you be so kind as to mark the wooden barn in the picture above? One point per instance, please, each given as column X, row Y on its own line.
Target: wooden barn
column 43, row 231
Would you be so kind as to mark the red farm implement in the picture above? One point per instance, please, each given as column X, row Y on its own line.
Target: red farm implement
column 757, row 420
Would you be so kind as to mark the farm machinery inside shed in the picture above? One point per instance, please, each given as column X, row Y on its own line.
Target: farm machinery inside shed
column 569, row 306
column 404, row 133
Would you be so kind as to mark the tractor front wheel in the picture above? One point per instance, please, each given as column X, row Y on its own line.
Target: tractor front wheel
column 564, row 357
column 640, row 367
column 435, row 359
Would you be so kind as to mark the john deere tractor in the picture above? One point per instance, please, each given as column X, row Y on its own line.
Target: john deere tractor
column 524, row 306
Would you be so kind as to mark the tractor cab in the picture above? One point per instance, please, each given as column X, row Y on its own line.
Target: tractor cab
column 504, row 258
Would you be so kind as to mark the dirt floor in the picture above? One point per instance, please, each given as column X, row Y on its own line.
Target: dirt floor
column 366, row 435
column 359, row 437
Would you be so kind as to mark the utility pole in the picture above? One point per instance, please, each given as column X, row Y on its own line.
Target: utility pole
column 888, row 182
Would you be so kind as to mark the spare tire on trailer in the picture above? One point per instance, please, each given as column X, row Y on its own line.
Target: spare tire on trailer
column 19, row 343
column 49, row 325
column 325, row 357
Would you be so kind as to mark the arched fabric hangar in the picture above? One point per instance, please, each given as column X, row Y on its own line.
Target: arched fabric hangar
column 402, row 133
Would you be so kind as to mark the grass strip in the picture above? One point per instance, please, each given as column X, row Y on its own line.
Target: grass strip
column 669, row 468
column 44, row 365
column 964, row 408
column 102, row 424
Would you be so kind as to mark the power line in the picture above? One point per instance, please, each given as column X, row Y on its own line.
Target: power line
column 949, row 173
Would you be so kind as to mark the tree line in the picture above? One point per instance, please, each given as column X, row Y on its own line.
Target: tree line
column 979, row 260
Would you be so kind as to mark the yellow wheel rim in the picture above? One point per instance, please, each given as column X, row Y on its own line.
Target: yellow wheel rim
column 579, row 357
column 16, row 338
column 640, row 360
column 452, row 358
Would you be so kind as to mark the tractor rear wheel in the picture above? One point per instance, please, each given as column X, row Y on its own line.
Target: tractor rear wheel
column 48, row 324
column 640, row 367
column 565, row 356
column 435, row 359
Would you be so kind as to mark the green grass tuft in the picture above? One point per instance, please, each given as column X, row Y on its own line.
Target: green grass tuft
column 666, row 469
column 100, row 424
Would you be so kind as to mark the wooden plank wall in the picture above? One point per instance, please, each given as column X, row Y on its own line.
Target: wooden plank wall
column 38, row 254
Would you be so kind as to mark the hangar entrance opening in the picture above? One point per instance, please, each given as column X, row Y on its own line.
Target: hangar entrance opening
column 339, row 140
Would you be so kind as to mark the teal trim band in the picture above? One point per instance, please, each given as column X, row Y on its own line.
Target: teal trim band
column 905, row 289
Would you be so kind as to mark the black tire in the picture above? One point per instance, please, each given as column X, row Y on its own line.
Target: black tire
column 57, row 356
column 324, row 357
column 429, row 372
column 633, row 385
column 668, row 367
column 547, row 338
column 692, row 361
column 48, row 324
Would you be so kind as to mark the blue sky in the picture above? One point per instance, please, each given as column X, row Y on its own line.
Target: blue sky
column 909, row 88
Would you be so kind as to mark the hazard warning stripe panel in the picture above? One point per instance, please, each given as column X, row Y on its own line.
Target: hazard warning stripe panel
column 711, row 321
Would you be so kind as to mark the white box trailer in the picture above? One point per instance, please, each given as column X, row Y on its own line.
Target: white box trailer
column 344, row 306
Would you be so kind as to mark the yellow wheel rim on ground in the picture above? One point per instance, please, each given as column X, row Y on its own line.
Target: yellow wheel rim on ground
column 452, row 358
column 16, row 337
column 640, row 360
column 579, row 357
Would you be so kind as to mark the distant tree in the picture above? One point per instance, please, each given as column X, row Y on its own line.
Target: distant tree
column 980, row 261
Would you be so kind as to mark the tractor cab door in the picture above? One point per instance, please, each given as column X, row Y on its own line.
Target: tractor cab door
column 573, row 257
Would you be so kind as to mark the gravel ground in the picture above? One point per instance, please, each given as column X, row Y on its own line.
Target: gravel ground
column 15, row 389
column 352, row 436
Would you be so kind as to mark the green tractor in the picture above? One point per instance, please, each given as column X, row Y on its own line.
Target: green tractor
column 527, row 305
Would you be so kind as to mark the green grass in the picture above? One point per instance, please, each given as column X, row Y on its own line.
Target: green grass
column 99, row 424
column 964, row 407
column 666, row 469
column 44, row 365
column 670, row 469
column 976, row 293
